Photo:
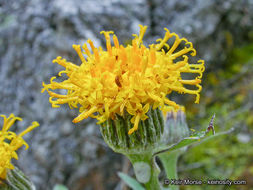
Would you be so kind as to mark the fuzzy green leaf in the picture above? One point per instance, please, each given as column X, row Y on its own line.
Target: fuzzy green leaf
column 131, row 182
column 60, row 187
column 197, row 137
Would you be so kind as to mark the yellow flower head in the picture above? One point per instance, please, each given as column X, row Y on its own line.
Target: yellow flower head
column 10, row 142
column 130, row 78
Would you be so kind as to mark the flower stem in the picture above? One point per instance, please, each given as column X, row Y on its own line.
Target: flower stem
column 169, row 161
column 146, row 170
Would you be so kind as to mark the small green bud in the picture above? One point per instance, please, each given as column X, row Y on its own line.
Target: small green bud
column 176, row 127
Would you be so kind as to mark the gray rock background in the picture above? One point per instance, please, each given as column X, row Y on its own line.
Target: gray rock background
column 33, row 33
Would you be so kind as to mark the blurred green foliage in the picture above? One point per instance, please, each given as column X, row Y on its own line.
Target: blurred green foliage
column 227, row 92
column 60, row 187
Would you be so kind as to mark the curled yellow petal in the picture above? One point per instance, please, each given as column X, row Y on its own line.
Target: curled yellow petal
column 136, row 123
column 84, row 115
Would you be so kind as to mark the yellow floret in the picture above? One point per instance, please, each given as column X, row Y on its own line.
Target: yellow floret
column 130, row 78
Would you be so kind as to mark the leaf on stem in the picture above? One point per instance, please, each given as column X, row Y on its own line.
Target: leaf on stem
column 196, row 137
column 131, row 182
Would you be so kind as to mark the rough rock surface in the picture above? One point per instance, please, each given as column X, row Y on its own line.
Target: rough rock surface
column 33, row 33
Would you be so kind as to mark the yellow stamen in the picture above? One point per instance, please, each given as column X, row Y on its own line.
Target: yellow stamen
column 86, row 49
column 141, row 34
column 29, row 129
column 191, row 82
column 108, row 41
column 84, row 115
column 164, row 40
column 136, row 123
column 79, row 52
column 116, row 41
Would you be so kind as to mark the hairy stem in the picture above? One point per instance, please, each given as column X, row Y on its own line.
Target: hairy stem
column 146, row 170
column 169, row 161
